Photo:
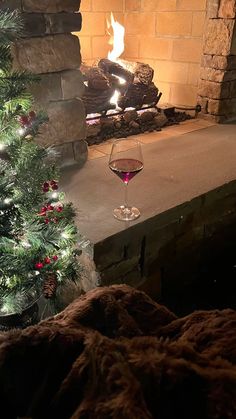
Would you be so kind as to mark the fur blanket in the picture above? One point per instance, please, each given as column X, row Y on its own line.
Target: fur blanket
column 115, row 353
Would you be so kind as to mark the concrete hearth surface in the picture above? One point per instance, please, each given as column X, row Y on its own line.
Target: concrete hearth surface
column 176, row 169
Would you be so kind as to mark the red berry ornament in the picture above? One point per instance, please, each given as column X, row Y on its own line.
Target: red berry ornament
column 55, row 258
column 54, row 187
column 46, row 220
column 59, row 209
column 24, row 120
column 39, row 265
column 50, row 207
column 47, row 260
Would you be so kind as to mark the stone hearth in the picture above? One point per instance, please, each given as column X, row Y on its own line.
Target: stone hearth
column 186, row 195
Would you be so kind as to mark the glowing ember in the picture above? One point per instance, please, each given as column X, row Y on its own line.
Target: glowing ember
column 117, row 40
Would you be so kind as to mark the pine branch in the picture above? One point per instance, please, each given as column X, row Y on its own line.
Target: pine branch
column 5, row 57
column 11, row 26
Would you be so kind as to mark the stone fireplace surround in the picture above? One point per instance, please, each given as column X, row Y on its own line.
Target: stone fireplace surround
column 50, row 49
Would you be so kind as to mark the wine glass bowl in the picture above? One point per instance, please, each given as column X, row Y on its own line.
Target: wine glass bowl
column 126, row 161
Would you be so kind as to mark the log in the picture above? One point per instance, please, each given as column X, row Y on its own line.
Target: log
column 96, row 101
column 116, row 69
column 139, row 94
column 143, row 73
column 95, row 77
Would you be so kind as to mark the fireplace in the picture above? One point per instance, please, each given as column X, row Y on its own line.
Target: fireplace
column 190, row 45
column 177, row 38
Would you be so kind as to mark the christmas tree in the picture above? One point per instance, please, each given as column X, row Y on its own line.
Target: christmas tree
column 37, row 231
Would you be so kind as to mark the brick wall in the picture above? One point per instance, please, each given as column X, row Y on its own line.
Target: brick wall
column 167, row 34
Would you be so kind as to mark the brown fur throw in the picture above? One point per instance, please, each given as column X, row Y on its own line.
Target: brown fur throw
column 115, row 353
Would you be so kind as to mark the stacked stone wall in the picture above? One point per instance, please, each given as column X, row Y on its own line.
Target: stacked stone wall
column 217, row 88
column 50, row 50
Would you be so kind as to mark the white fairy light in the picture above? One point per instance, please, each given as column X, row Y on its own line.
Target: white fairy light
column 2, row 147
column 26, row 244
column 21, row 131
column 65, row 235
column 55, row 195
column 7, row 200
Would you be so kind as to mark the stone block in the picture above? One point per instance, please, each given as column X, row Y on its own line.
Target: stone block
column 46, row 6
column 80, row 152
column 175, row 23
column 47, row 54
column 72, row 84
column 187, row 50
column 192, row 4
column 225, row 107
column 227, row 9
column 215, row 61
column 212, row 74
column 136, row 23
column 132, row 5
column 212, row 8
column 64, row 155
column 34, row 24
column 107, row 6
column 63, row 22
column 160, row 5
column 66, row 123
column 155, row 48
column 10, row 4
column 219, row 36
column 48, row 89
column 214, row 90
column 198, row 23
column 93, row 24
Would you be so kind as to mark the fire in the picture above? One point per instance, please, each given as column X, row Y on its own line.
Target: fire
column 117, row 40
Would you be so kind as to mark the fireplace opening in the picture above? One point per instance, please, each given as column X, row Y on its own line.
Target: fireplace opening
column 121, row 98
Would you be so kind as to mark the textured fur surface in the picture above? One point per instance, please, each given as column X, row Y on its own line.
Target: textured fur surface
column 115, row 353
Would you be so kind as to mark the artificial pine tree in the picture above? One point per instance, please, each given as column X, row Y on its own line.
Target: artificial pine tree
column 37, row 231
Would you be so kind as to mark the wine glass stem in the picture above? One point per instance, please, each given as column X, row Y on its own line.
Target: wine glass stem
column 126, row 194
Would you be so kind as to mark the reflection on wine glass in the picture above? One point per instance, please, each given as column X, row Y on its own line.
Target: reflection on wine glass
column 126, row 161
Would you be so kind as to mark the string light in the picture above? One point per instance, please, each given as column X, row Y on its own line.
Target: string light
column 7, row 200
column 55, row 195
column 21, row 131
column 65, row 235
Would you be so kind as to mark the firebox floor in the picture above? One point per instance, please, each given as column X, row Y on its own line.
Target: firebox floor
column 177, row 167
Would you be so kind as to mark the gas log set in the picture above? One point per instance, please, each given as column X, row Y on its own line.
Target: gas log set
column 121, row 98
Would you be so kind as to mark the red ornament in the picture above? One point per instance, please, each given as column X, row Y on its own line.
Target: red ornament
column 39, row 265
column 24, row 120
column 54, row 187
column 55, row 220
column 47, row 260
column 44, row 209
column 47, row 220
column 55, row 258
column 50, row 207
column 59, row 209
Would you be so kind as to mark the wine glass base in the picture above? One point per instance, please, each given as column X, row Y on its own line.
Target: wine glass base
column 123, row 213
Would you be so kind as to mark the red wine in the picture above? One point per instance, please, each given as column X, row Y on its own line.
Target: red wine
column 126, row 169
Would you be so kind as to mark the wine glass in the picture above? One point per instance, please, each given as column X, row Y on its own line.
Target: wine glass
column 126, row 161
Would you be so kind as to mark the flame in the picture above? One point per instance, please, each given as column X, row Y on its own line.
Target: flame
column 117, row 40
column 115, row 97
